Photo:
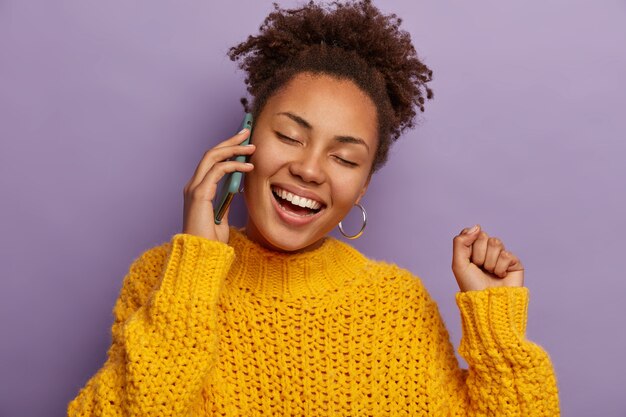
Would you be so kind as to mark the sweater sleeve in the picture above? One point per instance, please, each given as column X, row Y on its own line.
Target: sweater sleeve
column 164, row 337
column 508, row 375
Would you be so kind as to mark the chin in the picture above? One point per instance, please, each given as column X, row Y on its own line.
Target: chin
column 283, row 239
column 297, row 242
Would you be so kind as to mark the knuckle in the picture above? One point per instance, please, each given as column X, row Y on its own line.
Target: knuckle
column 199, row 193
column 216, row 169
column 223, row 167
column 210, row 155
column 494, row 241
column 457, row 240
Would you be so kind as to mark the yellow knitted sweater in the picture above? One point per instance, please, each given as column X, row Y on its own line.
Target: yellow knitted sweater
column 204, row 328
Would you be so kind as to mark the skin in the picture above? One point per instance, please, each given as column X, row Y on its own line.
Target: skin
column 312, row 159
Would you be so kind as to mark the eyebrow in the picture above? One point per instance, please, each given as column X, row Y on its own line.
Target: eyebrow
column 307, row 126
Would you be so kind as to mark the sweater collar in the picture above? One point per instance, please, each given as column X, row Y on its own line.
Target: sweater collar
column 267, row 273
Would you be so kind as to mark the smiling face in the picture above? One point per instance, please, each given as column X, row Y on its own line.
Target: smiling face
column 315, row 144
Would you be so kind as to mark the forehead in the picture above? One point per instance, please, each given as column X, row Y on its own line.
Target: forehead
column 328, row 104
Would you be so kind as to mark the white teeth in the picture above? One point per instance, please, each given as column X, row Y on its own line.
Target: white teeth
column 297, row 200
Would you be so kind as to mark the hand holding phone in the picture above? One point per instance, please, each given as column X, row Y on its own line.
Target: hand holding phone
column 231, row 183
column 202, row 188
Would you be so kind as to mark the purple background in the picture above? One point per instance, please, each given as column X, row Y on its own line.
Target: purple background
column 107, row 107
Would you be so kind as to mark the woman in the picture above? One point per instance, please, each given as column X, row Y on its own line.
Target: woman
column 280, row 319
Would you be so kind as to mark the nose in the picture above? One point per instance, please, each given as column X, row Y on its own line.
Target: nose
column 309, row 168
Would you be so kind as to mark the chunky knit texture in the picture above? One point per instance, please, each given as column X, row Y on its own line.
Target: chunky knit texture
column 203, row 328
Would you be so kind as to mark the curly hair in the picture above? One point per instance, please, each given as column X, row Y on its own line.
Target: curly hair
column 351, row 41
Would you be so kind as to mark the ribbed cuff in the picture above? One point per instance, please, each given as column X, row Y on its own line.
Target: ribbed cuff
column 193, row 275
column 494, row 323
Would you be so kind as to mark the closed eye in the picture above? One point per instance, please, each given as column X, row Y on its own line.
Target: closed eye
column 346, row 162
column 286, row 138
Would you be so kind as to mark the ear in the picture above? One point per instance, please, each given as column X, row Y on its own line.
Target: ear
column 364, row 189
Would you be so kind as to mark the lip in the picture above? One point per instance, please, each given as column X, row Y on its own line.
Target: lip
column 299, row 191
column 290, row 218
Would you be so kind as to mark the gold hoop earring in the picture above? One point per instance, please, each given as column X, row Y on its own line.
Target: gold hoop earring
column 358, row 235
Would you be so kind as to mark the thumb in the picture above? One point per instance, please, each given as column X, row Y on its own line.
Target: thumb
column 462, row 247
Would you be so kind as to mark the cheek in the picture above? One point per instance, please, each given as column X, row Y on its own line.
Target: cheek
column 346, row 190
column 267, row 158
column 265, row 165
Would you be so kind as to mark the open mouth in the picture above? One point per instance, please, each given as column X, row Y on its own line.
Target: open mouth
column 300, row 206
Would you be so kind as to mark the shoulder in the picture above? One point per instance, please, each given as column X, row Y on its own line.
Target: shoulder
column 387, row 274
column 143, row 275
column 392, row 281
column 151, row 259
column 395, row 293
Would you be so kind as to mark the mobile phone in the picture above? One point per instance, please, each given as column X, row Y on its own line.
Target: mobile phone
column 231, row 183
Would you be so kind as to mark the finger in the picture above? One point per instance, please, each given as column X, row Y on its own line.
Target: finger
column 494, row 247
column 515, row 265
column 208, row 187
column 466, row 230
column 235, row 139
column 505, row 260
column 215, row 155
column 223, row 153
column 479, row 249
column 462, row 247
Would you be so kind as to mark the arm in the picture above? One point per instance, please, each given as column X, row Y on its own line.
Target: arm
column 507, row 376
column 164, row 338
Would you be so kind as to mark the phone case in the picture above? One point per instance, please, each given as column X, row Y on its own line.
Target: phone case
column 231, row 183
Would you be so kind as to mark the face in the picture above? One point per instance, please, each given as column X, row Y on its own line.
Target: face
column 315, row 144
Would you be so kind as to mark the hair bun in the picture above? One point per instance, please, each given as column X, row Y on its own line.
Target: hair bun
column 357, row 27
